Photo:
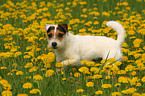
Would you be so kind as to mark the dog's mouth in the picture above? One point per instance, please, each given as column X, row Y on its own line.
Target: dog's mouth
column 54, row 47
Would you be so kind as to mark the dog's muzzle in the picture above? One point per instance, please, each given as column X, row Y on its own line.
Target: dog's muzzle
column 54, row 45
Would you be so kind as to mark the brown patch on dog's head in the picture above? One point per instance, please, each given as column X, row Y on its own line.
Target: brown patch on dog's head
column 60, row 33
column 64, row 27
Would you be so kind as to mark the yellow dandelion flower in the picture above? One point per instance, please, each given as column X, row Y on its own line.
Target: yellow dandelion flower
column 137, row 42
column 28, row 77
column 143, row 56
column 51, row 56
column 27, row 85
column 10, row 73
column 116, row 94
column 90, row 84
column 3, row 67
column 88, row 23
column 85, row 10
column 14, row 70
column 90, row 63
column 103, row 61
column 97, row 76
column 115, row 69
column 143, row 94
column 74, row 69
column 26, row 56
column 3, row 82
column 125, row 58
column 58, row 64
column 83, row 62
column 125, row 3
column 37, row 77
column 15, row 65
column 99, row 92
column 133, row 73
column 28, row 65
column 140, row 65
column 82, row 30
column 123, row 79
column 94, row 69
column 143, row 79
column 89, row 77
column 84, row 70
column 111, row 60
column 42, row 69
column 34, row 91
column 138, row 84
column 17, row 54
column 144, row 48
column 49, row 73
column 125, row 50
column 137, row 55
column 106, row 14
column 6, row 93
column 107, row 77
column 47, row 65
column 129, row 68
column 133, row 80
column 80, row 90
column 0, row 78
column 106, row 86
column 33, row 69
column 98, row 64
column 62, row 72
column 117, row 63
column 22, row 95
column 107, row 67
column 117, row 8
column 136, row 94
column 63, row 79
column 131, row 32
column 77, row 74
column 129, row 91
column 84, row 15
column 96, row 23
column 117, row 85
column 19, row 73
column 125, row 45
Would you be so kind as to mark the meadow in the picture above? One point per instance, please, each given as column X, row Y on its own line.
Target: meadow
column 29, row 68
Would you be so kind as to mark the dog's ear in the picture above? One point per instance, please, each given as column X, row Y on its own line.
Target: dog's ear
column 64, row 26
column 47, row 27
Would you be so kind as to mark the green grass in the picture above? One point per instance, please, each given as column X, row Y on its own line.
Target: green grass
column 22, row 30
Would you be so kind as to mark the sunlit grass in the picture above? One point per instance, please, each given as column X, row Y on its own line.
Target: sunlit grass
column 28, row 68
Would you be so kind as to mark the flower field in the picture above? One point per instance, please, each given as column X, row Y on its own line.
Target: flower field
column 29, row 68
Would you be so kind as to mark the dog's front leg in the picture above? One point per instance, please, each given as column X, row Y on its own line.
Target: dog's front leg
column 70, row 62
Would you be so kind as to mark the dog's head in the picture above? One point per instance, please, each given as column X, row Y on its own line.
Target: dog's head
column 56, row 35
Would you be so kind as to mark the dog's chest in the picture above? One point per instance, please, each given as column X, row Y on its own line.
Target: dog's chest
column 62, row 55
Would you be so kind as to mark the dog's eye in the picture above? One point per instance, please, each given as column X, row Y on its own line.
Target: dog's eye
column 49, row 35
column 60, row 35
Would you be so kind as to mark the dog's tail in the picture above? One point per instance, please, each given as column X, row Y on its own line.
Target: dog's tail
column 120, row 30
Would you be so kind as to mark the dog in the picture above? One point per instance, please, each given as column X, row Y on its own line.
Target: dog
column 71, row 49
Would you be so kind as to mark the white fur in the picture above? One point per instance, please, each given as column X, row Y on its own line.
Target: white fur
column 76, row 48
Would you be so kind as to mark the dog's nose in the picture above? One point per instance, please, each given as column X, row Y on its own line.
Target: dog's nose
column 54, row 44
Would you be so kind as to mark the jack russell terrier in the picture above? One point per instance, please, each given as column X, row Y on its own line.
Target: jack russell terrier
column 71, row 49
